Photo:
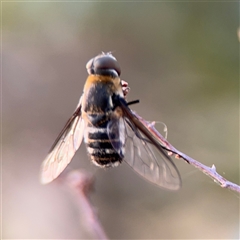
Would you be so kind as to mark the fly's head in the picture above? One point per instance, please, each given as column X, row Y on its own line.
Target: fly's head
column 104, row 64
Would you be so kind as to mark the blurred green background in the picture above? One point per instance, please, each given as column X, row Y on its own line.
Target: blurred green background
column 181, row 59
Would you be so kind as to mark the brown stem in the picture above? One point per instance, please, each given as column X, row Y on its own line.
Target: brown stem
column 209, row 171
column 80, row 183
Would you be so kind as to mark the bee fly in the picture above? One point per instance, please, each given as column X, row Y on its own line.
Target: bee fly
column 110, row 130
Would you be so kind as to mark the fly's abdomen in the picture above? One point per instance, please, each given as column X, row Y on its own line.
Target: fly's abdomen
column 100, row 148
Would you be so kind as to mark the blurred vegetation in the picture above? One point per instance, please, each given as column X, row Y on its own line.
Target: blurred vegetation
column 181, row 59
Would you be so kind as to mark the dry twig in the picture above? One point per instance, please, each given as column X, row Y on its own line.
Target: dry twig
column 80, row 184
column 209, row 171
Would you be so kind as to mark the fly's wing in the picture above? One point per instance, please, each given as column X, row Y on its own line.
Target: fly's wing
column 117, row 133
column 64, row 147
column 152, row 164
column 144, row 153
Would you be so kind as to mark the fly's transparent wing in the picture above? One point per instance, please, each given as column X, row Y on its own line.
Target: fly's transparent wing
column 141, row 154
column 64, row 147
column 148, row 161
column 117, row 134
column 144, row 152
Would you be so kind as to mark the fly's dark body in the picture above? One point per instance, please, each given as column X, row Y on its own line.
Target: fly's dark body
column 98, row 108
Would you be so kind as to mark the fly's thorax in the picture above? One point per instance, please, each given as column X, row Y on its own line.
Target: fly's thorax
column 113, row 84
column 98, row 92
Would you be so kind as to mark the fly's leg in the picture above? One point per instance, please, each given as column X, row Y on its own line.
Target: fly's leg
column 125, row 87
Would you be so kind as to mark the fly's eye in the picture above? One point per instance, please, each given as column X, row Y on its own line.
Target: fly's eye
column 104, row 64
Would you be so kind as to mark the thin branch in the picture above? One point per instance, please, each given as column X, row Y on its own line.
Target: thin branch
column 81, row 183
column 209, row 171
